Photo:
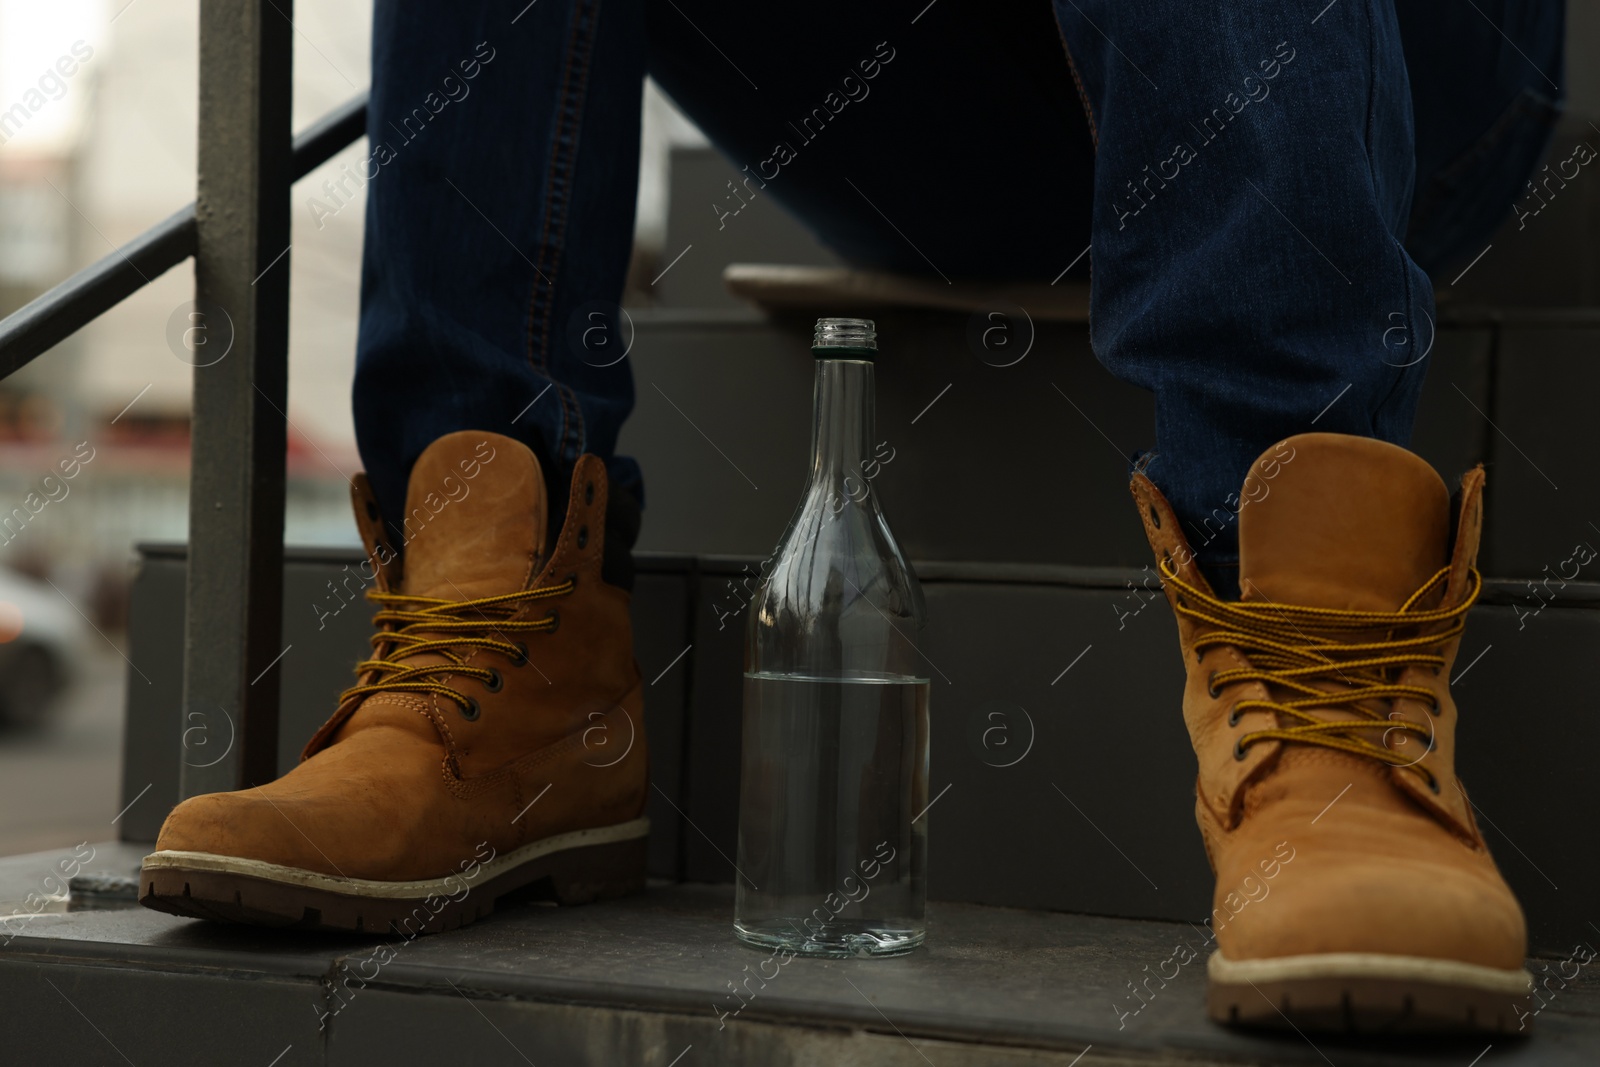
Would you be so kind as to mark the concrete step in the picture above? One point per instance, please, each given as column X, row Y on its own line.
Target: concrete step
column 1078, row 665
column 1010, row 442
column 1066, row 640
column 648, row 980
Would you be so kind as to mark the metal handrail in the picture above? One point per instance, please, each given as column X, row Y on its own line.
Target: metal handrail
column 52, row 317
column 238, row 232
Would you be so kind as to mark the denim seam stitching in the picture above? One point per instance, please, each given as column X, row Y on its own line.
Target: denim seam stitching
column 1398, row 376
column 1372, row 92
column 569, row 400
column 558, row 183
column 539, row 303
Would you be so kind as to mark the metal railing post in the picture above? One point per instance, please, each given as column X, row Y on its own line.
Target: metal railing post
column 236, row 488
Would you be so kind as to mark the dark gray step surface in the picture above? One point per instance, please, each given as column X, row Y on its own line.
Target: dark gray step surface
column 647, row 981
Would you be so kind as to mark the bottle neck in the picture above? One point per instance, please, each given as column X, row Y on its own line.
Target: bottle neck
column 842, row 420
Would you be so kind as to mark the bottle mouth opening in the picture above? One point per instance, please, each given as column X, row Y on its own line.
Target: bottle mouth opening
column 837, row 337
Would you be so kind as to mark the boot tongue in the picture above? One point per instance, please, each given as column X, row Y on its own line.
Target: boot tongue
column 475, row 517
column 1346, row 522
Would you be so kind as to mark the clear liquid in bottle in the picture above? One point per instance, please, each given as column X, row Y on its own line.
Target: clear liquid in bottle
column 832, row 830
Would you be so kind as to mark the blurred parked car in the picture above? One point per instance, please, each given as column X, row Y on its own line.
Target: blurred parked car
column 40, row 638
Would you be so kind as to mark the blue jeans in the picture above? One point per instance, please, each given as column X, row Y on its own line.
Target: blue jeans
column 1266, row 188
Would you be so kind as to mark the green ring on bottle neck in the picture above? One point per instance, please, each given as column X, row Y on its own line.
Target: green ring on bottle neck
column 843, row 352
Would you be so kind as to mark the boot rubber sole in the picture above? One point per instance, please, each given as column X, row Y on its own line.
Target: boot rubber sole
column 571, row 868
column 1361, row 992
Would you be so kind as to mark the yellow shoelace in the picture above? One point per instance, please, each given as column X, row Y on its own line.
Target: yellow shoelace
column 411, row 625
column 1291, row 646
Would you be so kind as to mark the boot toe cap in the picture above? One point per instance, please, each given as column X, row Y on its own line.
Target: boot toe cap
column 1383, row 905
column 243, row 825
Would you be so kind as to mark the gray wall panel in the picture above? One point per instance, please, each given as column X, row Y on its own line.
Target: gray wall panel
column 712, row 785
column 108, row 1015
column 661, row 632
column 1021, row 464
column 1543, row 494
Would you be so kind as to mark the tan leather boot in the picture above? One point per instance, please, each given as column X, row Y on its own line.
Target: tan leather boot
column 1354, row 890
column 494, row 740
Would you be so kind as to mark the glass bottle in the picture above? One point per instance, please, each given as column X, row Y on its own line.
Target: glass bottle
column 832, row 830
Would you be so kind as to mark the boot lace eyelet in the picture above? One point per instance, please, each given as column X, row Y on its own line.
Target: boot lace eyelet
column 1155, row 517
column 555, row 620
column 588, row 493
column 494, row 683
column 471, row 711
column 1268, row 643
column 583, row 537
column 521, row 657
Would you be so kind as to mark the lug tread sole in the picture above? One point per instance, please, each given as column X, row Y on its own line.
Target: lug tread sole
column 570, row 876
column 1375, row 1003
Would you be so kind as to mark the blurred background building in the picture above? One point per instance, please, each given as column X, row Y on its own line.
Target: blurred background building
column 110, row 152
